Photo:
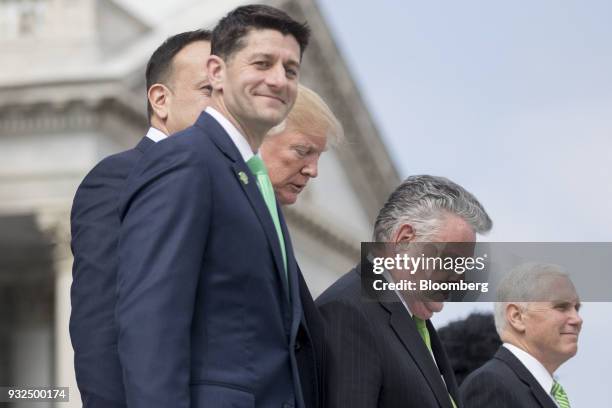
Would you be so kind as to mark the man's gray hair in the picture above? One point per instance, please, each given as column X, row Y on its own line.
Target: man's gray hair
column 423, row 202
column 525, row 283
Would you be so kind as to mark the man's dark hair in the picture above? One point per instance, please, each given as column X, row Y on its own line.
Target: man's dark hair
column 470, row 343
column 159, row 67
column 227, row 37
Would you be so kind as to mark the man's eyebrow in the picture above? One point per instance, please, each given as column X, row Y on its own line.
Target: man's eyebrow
column 566, row 303
column 268, row 56
column 261, row 55
column 293, row 63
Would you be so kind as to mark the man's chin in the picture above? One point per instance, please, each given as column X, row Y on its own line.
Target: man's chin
column 434, row 307
column 272, row 116
column 425, row 310
column 287, row 198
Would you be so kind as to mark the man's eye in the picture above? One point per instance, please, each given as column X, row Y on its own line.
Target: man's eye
column 301, row 151
column 262, row 64
column 291, row 73
column 562, row 306
column 207, row 89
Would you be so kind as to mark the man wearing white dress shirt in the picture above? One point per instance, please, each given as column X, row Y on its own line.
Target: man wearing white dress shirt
column 209, row 296
column 383, row 351
column 536, row 316
column 177, row 91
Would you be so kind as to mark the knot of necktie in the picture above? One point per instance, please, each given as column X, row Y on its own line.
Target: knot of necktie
column 257, row 166
column 559, row 395
column 422, row 329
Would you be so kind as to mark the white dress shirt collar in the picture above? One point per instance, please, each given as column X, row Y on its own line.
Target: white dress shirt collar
column 239, row 140
column 389, row 278
column 536, row 368
column 155, row 134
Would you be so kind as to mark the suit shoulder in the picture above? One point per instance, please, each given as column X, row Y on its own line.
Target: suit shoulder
column 193, row 137
column 105, row 181
column 346, row 289
column 492, row 373
column 186, row 148
column 493, row 384
column 341, row 305
column 178, row 165
column 114, row 166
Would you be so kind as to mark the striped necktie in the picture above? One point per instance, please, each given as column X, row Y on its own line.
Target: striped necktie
column 422, row 329
column 559, row 395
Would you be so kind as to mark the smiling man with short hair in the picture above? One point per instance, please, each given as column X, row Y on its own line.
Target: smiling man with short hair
column 210, row 303
column 537, row 317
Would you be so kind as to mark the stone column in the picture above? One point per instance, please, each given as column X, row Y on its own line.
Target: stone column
column 56, row 225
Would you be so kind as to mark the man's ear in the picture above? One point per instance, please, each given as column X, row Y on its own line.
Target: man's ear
column 215, row 68
column 405, row 233
column 158, row 98
column 515, row 317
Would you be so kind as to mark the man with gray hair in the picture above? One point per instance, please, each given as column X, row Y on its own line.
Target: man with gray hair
column 387, row 354
column 536, row 316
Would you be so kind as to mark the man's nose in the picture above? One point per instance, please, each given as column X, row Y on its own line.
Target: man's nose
column 311, row 169
column 276, row 76
column 576, row 319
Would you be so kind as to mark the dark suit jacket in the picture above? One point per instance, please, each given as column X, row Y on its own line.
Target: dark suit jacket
column 504, row 382
column 310, row 350
column 95, row 232
column 375, row 355
column 203, row 316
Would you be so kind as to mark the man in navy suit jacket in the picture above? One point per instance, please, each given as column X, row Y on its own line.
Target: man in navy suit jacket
column 208, row 308
column 178, row 90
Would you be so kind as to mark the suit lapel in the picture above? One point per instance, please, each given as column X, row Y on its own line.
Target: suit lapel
column 292, row 272
column 247, row 181
column 443, row 364
column 525, row 376
column 259, row 205
column 406, row 331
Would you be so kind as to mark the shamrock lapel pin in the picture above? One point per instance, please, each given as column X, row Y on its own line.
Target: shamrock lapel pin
column 243, row 177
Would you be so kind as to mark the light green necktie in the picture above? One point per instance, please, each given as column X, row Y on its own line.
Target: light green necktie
column 559, row 395
column 422, row 329
column 258, row 168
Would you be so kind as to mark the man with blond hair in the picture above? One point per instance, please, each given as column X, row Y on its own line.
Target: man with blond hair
column 292, row 150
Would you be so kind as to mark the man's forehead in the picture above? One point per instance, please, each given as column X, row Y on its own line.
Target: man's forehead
column 270, row 42
column 192, row 54
column 310, row 140
column 558, row 289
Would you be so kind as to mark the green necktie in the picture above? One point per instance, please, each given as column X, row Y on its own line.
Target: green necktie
column 258, row 168
column 422, row 329
column 559, row 395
